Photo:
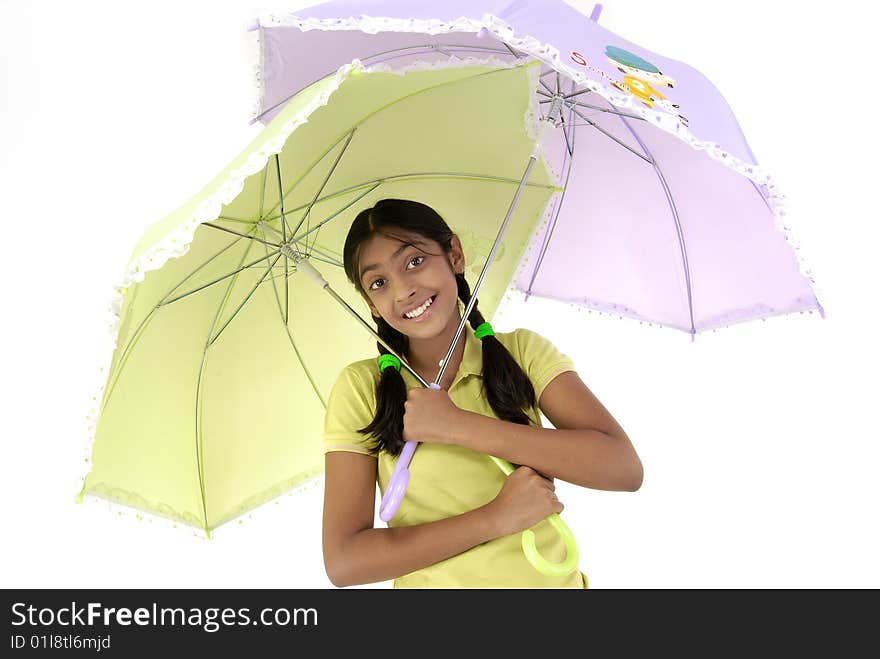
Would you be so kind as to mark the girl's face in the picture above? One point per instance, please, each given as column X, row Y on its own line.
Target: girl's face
column 399, row 276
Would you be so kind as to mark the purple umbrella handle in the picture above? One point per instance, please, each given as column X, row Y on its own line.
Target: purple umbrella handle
column 399, row 479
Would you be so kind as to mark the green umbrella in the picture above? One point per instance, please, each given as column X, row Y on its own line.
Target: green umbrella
column 226, row 349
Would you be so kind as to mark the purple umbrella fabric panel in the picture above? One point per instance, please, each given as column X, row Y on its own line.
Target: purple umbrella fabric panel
column 632, row 76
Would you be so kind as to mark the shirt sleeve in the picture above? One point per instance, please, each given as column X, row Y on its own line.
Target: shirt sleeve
column 351, row 405
column 541, row 360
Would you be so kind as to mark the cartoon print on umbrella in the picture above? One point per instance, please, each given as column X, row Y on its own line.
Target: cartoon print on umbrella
column 640, row 76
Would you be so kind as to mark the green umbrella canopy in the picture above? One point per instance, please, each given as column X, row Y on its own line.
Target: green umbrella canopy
column 225, row 354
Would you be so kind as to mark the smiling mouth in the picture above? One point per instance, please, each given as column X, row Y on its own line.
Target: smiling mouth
column 432, row 299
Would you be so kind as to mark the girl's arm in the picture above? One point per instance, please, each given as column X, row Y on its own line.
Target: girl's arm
column 587, row 447
column 357, row 553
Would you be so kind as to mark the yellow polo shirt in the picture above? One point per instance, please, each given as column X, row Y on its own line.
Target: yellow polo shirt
column 448, row 480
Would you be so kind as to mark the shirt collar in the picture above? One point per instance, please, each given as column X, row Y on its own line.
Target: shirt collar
column 471, row 360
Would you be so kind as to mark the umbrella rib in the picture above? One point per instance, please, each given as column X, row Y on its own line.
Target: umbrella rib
column 674, row 209
column 143, row 325
column 326, row 178
column 206, row 262
column 687, row 270
column 445, row 49
column 305, row 214
column 262, row 189
column 243, row 302
column 307, row 172
column 327, row 258
column 607, row 134
column 280, row 194
column 219, row 279
column 556, row 210
column 284, row 322
column 198, row 411
column 234, row 219
column 596, row 107
column 428, row 47
column 237, row 233
column 283, row 235
column 583, row 91
column 610, row 111
column 265, row 225
column 568, row 144
column 512, row 51
column 348, row 205
column 669, row 197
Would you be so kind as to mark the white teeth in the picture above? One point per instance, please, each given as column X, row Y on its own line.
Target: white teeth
column 415, row 313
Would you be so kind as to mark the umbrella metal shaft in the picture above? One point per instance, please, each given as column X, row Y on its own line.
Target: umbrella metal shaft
column 372, row 331
column 473, row 300
column 304, row 265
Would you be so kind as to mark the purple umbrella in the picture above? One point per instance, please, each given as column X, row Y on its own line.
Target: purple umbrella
column 666, row 216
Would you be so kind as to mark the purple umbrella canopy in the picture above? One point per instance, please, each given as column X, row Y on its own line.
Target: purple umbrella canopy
column 666, row 217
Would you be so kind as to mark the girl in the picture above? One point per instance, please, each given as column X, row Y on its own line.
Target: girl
column 460, row 520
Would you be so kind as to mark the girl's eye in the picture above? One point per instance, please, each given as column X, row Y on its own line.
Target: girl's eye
column 372, row 284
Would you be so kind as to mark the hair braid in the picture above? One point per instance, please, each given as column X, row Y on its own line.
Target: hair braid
column 508, row 389
column 387, row 425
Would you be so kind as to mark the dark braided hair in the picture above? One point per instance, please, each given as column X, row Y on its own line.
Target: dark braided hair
column 507, row 387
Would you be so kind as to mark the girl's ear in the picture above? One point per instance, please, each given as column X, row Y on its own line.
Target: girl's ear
column 456, row 256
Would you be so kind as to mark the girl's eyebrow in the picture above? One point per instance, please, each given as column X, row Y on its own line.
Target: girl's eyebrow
column 397, row 252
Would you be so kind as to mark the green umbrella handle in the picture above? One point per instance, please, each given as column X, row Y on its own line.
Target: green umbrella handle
column 540, row 563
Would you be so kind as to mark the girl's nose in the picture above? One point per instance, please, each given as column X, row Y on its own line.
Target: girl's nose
column 406, row 294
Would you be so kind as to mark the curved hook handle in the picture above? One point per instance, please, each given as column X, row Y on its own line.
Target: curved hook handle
column 397, row 485
column 399, row 479
column 530, row 549
column 540, row 563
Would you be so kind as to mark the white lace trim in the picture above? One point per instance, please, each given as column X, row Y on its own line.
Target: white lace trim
column 178, row 241
column 535, row 128
column 257, row 55
column 550, row 55
column 134, row 514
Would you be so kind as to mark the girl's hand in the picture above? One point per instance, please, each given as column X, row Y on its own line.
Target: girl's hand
column 526, row 498
column 430, row 416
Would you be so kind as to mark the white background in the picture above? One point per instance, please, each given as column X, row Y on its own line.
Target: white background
column 760, row 441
